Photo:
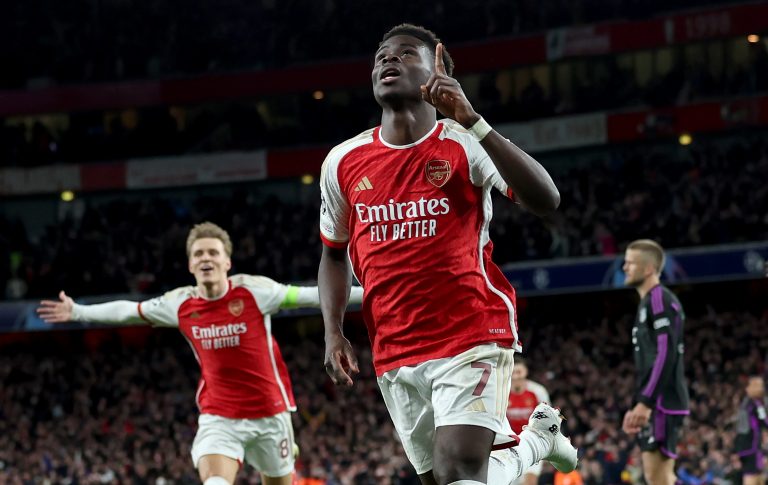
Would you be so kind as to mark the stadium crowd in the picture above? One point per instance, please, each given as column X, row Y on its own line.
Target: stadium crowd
column 123, row 412
column 118, row 245
column 93, row 41
column 300, row 119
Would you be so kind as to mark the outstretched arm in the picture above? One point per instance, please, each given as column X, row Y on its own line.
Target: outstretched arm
column 527, row 178
column 309, row 296
column 66, row 310
column 334, row 279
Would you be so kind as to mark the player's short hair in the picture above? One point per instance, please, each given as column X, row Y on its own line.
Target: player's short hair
column 425, row 35
column 209, row 229
column 520, row 361
column 652, row 249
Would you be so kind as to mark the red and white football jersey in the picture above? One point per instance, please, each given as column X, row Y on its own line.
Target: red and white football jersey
column 522, row 404
column 243, row 375
column 415, row 221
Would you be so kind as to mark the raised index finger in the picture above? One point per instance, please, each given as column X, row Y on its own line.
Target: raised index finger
column 439, row 65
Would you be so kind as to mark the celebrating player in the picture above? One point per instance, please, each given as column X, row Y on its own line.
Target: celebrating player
column 245, row 393
column 409, row 202
column 657, row 338
column 751, row 420
column 523, row 398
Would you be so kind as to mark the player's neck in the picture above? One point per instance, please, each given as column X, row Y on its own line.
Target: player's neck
column 407, row 125
column 518, row 388
column 214, row 289
column 647, row 286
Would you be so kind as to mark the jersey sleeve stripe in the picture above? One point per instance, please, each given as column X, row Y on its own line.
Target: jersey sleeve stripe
column 333, row 244
column 658, row 364
column 657, row 300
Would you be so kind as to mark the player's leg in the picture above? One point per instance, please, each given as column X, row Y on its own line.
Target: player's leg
column 408, row 400
column 657, row 442
column 217, row 451
column 461, row 453
column 752, row 469
column 472, row 390
column 217, row 469
column 752, row 479
column 658, row 468
column 270, row 448
column 427, row 478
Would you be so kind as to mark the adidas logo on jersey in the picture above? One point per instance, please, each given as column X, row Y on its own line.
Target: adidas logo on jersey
column 364, row 184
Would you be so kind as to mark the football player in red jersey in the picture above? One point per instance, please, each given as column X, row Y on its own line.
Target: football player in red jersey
column 408, row 203
column 244, row 395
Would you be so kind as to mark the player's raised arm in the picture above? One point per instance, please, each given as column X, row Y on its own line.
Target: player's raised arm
column 66, row 310
column 527, row 178
column 334, row 280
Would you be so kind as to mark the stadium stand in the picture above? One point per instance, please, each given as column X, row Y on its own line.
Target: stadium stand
column 118, row 244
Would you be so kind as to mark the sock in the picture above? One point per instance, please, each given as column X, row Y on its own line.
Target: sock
column 532, row 448
column 466, row 482
column 216, row 481
column 505, row 466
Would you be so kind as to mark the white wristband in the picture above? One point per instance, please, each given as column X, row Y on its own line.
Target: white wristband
column 480, row 129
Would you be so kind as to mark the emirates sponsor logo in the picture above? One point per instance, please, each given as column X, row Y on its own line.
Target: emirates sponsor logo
column 214, row 331
column 395, row 220
column 236, row 307
column 399, row 211
column 438, row 172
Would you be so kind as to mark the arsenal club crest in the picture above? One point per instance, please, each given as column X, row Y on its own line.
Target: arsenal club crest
column 236, row 307
column 438, row 172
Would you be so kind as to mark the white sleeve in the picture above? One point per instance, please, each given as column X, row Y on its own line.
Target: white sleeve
column 334, row 207
column 482, row 170
column 309, row 296
column 268, row 293
column 120, row 311
column 164, row 310
column 301, row 297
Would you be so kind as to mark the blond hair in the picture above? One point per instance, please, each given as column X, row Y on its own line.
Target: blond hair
column 209, row 229
column 652, row 249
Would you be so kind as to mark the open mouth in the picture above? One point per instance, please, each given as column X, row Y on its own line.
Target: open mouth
column 206, row 269
column 389, row 74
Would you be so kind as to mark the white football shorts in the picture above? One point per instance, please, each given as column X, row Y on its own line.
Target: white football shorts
column 264, row 443
column 471, row 388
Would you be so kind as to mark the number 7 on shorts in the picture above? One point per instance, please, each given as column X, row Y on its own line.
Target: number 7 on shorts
column 480, row 387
